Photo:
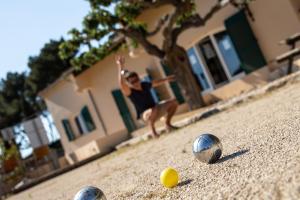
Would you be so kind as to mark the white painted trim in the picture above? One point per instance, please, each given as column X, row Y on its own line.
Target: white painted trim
column 204, row 70
column 196, row 40
column 220, row 56
column 210, row 78
column 225, row 66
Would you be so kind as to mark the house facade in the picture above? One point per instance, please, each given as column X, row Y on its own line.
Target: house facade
column 231, row 54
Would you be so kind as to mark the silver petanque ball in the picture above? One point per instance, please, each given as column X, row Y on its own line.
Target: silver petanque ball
column 90, row 193
column 207, row 148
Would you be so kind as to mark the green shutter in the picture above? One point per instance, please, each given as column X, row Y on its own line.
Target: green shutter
column 174, row 86
column 245, row 42
column 68, row 129
column 123, row 109
column 88, row 120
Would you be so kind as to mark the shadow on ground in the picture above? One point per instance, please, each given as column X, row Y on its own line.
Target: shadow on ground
column 232, row 156
column 186, row 182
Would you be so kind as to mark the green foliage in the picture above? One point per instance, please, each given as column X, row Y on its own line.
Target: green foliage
column 96, row 3
column 9, row 153
column 15, row 99
column 46, row 67
column 120, row 18
column 99, row 25
column 19, row 91
column 186, row 15
column 128, row 11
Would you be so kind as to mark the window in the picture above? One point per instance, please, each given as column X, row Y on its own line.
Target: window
column 81, row 125
column 212, row 61
column 78, row 125
column 87, row 121
column 245, row 42
column 229, row 53
column 198, row 69
column 68, row 129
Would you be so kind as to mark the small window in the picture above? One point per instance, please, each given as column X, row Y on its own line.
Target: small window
column 81, row 125
column 87, row 119
column 78, row 125
column 68, row 129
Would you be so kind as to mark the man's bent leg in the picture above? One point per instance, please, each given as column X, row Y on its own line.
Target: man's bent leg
column 167, row 108
column 151, row 116
column 172, row 107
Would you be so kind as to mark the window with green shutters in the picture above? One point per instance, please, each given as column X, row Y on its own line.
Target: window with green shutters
column 79, row 125
column 68, row 129
column 87, row 118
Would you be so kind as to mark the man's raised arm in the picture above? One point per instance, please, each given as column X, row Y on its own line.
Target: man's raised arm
column 120, row 60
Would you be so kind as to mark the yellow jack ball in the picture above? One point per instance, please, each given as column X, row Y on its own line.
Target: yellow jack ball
column 169, row 177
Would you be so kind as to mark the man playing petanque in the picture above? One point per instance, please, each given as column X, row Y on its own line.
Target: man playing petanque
column 139, row 92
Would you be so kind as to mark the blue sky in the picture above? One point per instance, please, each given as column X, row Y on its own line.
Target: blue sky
column 27, row 25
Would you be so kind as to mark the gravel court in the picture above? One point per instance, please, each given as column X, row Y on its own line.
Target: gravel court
column 261, row 159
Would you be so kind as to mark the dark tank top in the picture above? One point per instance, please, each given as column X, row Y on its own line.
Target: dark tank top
column 142, row 99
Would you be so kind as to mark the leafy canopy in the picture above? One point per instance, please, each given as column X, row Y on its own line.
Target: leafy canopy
column 109, row 22
column 19, row 91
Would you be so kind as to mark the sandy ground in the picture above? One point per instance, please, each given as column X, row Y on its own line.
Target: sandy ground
column 261, row 159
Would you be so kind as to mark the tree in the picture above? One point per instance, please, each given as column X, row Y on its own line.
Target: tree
column 15, row 99
column 122, row 23
column 46, row 67
column 19, row 98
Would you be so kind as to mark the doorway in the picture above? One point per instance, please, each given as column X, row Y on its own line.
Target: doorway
column 228, row 53
column 213, row 62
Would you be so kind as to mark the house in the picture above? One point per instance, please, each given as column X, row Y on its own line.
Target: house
column 230, row 55
column 18, row 164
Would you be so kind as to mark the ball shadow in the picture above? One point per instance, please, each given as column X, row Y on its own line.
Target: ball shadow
column 232, row 156
column 186, row 182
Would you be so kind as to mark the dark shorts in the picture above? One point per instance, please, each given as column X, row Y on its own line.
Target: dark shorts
column 161, row 109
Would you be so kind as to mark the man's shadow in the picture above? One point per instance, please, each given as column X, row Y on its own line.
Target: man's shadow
column 232, row 156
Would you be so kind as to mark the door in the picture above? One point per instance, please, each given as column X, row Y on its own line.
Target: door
column 213, row 62
column 123, row 110
column 245, row 42
column 198, row 70
column 229, row 53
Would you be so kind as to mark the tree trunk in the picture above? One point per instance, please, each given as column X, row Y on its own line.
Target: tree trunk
column 177, row 59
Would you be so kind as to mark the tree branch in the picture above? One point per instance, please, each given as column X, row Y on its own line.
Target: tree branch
column 243, row 6
column 160, row 23
column 193, row 21
column 182, row 7
column 146, row 4
column 196, row 20
column 213, row 11
column 141, row 39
